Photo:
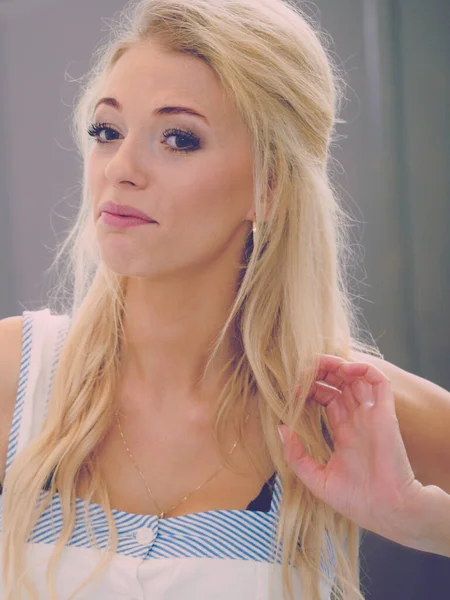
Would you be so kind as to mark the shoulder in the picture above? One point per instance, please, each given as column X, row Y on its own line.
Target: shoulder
column 423, row 411
column 10, row 359
column 389, row 369
column 10, row 356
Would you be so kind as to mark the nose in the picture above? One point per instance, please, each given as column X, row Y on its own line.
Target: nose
column 126, row 166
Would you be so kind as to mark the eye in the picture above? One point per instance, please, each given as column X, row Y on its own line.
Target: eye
column 96, row 129
column 187, row 139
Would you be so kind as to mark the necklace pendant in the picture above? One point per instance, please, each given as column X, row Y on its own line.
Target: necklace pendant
column 162, row 515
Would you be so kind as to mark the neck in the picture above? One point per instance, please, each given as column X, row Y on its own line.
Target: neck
column 169, row 332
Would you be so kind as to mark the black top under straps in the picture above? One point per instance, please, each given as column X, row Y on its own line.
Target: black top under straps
column 263, row 500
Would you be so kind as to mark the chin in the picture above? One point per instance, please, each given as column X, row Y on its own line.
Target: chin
column 130, row 267
column 121, row 264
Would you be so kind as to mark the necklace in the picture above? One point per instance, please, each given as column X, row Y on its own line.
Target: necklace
column 162, row 514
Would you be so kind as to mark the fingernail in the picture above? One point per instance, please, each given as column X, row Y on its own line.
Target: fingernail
column 281, row 435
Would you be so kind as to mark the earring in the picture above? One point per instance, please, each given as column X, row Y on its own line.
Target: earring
column 254, row 228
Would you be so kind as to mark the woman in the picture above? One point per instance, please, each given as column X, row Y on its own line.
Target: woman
column 208, row 277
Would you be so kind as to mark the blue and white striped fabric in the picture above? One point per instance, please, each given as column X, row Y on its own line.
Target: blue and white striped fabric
column 213, row 555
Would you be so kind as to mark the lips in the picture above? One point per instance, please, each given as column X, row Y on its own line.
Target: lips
column 124, row 210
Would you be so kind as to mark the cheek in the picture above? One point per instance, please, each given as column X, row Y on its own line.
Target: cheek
column 91, row 173
column 96, row 163
column 222, row 190
column 206, row 206
column 95, row 179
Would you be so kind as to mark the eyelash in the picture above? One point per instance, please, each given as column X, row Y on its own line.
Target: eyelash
column 96, row 128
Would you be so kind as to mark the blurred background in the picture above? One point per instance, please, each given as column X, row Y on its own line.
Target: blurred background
column 392, row 171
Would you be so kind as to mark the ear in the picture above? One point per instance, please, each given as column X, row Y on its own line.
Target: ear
column 251, row 215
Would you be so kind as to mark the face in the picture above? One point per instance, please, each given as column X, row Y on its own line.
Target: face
column 191, row 174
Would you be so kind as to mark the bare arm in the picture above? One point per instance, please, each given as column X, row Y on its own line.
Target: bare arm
column 10, row 356
column 423, row 412
column 430, row 513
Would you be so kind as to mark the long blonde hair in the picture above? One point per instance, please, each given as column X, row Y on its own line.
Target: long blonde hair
column 293, row 298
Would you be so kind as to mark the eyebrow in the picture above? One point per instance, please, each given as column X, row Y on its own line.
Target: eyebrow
column 163, row 110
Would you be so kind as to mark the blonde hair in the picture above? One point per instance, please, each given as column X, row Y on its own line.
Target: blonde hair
column 293, row 298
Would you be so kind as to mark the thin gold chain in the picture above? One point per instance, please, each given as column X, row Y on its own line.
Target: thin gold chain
column 162, row 513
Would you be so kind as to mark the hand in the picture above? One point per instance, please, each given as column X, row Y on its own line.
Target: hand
column 368, row 478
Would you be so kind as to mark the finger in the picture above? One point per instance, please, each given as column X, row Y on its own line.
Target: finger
column 323, row 393
column 310, row 472
column 330, row 373
column 333, row 379
column 328, row 363
column 370, row 374
column 336, row 409
column 351, row 396
column 350, row 399
column 362, row 391
column 342, row 383
column 344, row 374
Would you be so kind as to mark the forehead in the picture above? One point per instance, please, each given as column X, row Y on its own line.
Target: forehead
column 149, row 76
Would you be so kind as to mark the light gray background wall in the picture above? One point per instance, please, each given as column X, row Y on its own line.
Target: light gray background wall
column 397, row 58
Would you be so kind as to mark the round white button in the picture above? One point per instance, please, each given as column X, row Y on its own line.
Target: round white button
column 145, row 536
